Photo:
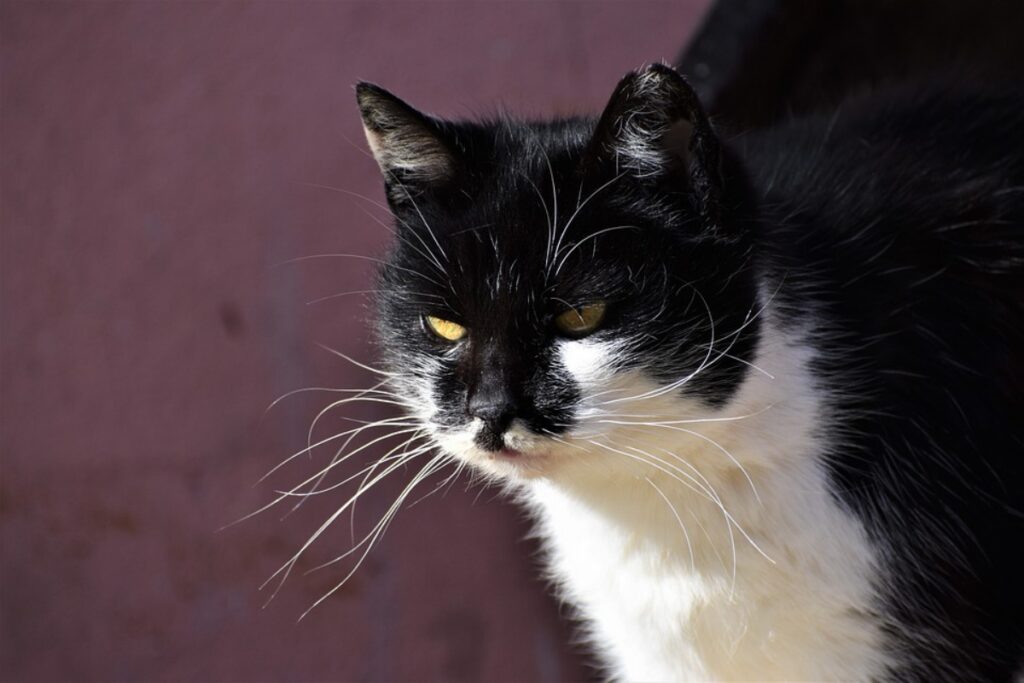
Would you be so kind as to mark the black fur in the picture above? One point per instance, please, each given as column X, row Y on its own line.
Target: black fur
column 665, row 262
column 897, row 224
column 889, row 230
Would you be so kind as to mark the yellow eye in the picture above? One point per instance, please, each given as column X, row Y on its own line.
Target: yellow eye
column 581, row 321
column 445, row 329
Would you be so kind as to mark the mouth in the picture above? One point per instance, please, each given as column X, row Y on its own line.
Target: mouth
column 513, row 463
column 515, row 453
column 510, row 457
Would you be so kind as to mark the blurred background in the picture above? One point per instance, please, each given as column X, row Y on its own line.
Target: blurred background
column 162, row 164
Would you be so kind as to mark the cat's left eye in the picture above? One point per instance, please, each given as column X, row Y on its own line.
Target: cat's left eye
column 582, row 320
column 445, row 329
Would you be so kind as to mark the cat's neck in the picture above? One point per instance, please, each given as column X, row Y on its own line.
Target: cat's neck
column 738, row 472
column 707, row 550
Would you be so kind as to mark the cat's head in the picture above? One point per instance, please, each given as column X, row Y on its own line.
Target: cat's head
column 555, row 283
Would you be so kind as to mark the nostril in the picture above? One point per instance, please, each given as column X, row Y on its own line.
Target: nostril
column 497, row 416
column 496, row 411
column 492, row 401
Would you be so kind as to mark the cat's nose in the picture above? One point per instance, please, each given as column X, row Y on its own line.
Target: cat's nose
column 495, row 409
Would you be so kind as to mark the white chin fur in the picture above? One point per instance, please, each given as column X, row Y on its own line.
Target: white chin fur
column 699, row 544
column 704, row 544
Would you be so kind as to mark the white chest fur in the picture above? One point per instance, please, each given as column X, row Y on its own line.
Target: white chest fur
column 680, row 570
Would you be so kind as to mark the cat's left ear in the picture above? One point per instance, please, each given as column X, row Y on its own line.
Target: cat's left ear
column 410, row 147
column 655, row 127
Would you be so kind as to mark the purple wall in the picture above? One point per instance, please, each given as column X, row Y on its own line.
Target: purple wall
column 158, row 162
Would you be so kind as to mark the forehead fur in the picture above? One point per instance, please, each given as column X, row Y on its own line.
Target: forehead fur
column 524, row 216
column 527, row 228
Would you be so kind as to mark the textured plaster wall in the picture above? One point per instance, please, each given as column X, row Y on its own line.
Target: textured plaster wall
column 159, row 164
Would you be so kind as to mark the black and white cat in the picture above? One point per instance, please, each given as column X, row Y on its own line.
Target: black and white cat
column 763, row 399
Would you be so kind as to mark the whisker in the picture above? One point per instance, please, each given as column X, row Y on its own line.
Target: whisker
column 429, row 469
column 579, row 207
column 577, row 245
column 658, row 423
column 380, row 423
column 428, row 255
column 423, row 218
column 286, row 568
column 293, row 392
column 723, row 450
column 404, row 447
column 390, row 457
column 661, row 391
column 363, row 257
column 418, row 434
column 686, row 535
column 376, row 371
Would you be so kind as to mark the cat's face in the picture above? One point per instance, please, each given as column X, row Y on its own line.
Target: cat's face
column 552, row 281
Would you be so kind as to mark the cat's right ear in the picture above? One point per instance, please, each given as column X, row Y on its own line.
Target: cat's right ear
column 410, row 147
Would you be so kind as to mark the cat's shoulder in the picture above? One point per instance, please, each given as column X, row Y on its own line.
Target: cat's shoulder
column 920, row 136
column 925, row 177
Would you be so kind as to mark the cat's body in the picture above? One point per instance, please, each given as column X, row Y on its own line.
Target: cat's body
column 778, row 440
column 903, row 221
column 675, row 590
column 866, row 463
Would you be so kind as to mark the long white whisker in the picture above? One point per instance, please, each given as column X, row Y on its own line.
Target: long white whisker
column 418, row 434
column 388, row 375
column 579, row 207
column 380, row 423
column 286, row 568
column 288, row 394
column 577, row 245
column 314, row 491
column 661, row 391
column 432, row 466
column 363, row 257
column 721, row 448
column 307, row 481
column 686, row 535
column 390, row 457
column 718, row 498
column 687, row 484
column 382, row 526
column 554, row 199
column 429, row 255
column 733, row 418
column 420, row 213
column 714, row 498
column 341, row 453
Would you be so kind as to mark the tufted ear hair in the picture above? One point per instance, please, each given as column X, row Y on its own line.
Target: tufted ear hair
column 410, row 147
column 654, row 127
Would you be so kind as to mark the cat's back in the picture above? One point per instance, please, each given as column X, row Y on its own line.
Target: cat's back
column 895, row 229
column 918, row 154
column 901, row 214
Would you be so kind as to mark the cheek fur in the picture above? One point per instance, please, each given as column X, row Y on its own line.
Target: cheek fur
column 589, row 363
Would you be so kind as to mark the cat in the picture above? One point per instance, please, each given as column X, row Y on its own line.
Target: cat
column 756, row 62
column 762, row 397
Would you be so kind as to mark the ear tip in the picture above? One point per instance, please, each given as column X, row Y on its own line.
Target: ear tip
column 365, row 91
column 661, row 68
column 371, row 97
column 660, row 80
column 661, row 73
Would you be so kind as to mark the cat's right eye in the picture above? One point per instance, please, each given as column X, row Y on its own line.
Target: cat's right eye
column 445, row 329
